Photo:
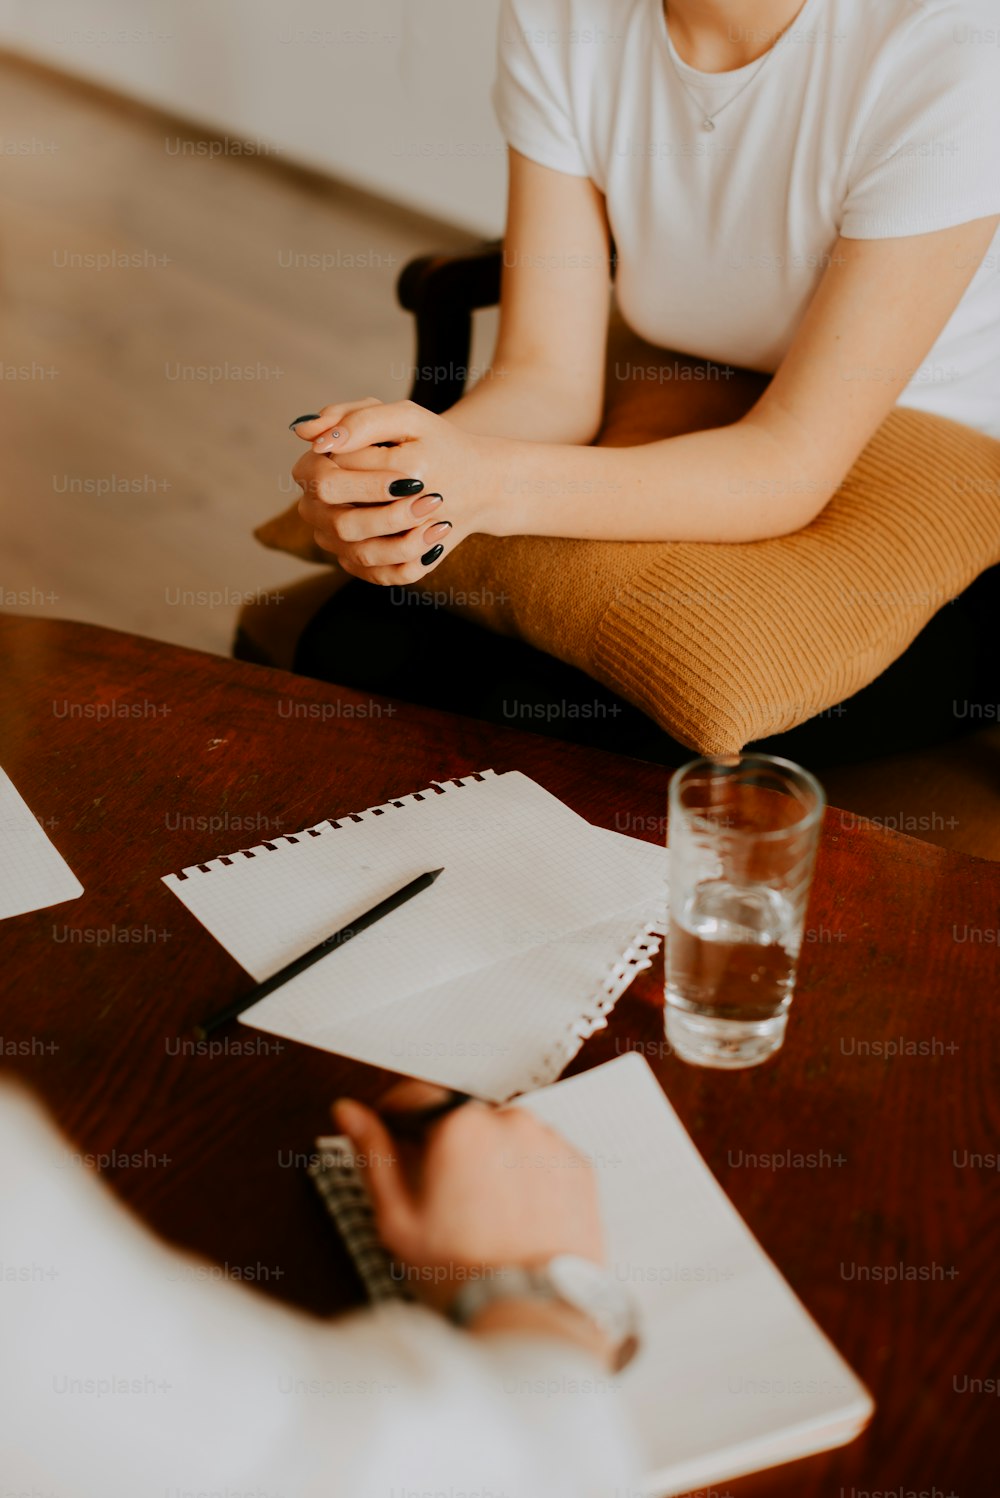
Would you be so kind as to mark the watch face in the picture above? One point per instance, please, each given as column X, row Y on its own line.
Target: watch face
column 592, row 1290
column 578, row 1280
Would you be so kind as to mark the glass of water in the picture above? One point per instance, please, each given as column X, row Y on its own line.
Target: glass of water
column 742, row 834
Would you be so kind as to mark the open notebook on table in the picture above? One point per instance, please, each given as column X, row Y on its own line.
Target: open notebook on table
column 733, row 1375
column 488, row 981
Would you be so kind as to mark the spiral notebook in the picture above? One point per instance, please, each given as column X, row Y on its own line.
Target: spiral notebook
column 489, row 981
column 733, row 1375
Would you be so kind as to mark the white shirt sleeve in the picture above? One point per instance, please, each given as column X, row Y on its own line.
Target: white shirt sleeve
column 128, row 1370
column 927, row 153
column 531, row 94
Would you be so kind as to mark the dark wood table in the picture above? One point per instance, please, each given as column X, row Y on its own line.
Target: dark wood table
column 141, row 759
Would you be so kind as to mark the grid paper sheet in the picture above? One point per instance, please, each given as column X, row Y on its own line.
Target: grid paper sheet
column 733, row 1375
column 489, row 980
column 502, row 1031
column 33, row 874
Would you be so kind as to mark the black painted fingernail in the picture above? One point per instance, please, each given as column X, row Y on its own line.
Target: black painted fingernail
column 399, row 488
column 432, row 555
column 310, row 416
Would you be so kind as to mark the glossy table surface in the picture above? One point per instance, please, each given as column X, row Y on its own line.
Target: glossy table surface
column 864, row 1158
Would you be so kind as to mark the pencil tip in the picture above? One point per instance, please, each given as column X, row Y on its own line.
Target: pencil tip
column 436, row 872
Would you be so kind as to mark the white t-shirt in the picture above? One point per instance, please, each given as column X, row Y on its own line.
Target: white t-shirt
column 870, row 119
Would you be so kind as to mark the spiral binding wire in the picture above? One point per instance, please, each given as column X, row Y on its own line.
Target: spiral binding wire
column 436, row 788
column 344, row 1194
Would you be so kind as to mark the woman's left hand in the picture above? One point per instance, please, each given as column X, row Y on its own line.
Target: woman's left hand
column 390, row 514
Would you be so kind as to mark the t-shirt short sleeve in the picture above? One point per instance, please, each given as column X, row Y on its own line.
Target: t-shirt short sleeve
column 531, row 95
column 927, row 155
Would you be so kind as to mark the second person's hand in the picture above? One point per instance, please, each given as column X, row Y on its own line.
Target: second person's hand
column 490, row 1189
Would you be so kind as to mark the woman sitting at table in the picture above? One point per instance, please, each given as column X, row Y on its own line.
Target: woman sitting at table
column 807, row 191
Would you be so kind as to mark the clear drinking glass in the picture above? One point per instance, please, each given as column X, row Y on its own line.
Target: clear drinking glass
column 742, row 835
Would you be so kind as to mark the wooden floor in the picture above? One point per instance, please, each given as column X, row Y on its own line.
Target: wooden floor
column 163, row 317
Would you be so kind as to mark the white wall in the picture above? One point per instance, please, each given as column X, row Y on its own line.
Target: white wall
column 392, row 95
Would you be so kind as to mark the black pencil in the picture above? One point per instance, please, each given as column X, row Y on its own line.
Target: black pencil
column 299, row 964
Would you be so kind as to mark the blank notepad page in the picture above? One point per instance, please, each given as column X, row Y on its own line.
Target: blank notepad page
column 733, row 1374
column 522, row 874
column 520, row 869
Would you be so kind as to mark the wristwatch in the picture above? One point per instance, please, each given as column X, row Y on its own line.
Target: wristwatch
column 575, row 1281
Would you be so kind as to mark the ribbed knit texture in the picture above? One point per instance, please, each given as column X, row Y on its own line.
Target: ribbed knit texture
column 724, row 644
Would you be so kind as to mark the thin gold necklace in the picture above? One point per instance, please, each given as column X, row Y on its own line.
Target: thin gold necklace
column 708, row 120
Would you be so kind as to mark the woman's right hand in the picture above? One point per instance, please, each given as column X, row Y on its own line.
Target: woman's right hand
column 489, row 1188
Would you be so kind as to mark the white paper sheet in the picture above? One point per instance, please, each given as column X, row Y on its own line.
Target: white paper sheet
column 485, row 982
column 33, row 874
column 497, row 1032
column 733, row 1375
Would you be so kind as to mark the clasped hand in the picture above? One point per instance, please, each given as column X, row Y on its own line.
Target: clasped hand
column 390, row 490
